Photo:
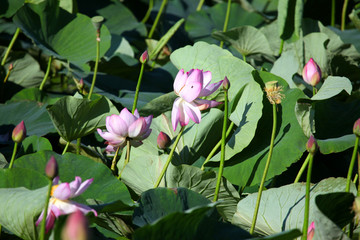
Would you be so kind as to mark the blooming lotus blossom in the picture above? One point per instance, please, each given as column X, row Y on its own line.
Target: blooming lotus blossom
column 59, row 203
column 311, row 73
column 190, row 86
column 125, row 126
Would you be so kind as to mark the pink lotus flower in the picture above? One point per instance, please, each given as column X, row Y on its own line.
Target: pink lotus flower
column 59, row 203
column 76, row 227
column 19, row 132
column 125, row 126
column 311, row 231
column 311, row 145
column 190, row 87
column 311, row 73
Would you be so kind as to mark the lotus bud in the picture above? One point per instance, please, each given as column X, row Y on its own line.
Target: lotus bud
column 144, row 57
column 226, row 83
column 163, row 140
column 19, row 132
column 76, row 227
column 273, row 92
column 311, row 145
column 356, row 207
column 311, row 231
column 311, row 73
column 97, row 21
column 356, row 128
column 51, row 168
column 11, row 67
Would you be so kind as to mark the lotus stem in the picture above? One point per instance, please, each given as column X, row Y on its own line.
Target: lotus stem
column 223, row 141
column 78, row 144
column 43, row 222
column 343, row 14
column 281, row 47
column 113, row 164
column 13, row 155
column 138, row 87
column 46, row 74
column 96, row 65
column 66, row 147
column 352, row 163
column 199, row 6
column 11, row 44
column 213, row 151
column 227, row 16
column 333, row 6
column 148, row 12
column 152, row 30
column 169, row 158
column 302, row 169
column 307, row 198
column 265, row 170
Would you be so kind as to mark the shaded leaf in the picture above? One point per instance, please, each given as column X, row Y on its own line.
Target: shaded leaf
column 289, row 18
column 332, row 86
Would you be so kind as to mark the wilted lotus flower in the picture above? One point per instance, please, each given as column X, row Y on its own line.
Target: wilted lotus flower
column 189, row 87
column 311, row 231
column 125, row 126
column 59, row 203
column 19, row 132
column 311, row 145
column 311, row 73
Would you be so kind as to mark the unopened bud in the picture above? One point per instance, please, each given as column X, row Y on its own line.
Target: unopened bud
column 311, row 231
column 311, row 73
column 144, row 57
column 19, row 132
column 11, row 67
column 226, row 83
column 163, row 140
column 76, row 227
column 81, row 84
column 356, row 128
column 356, row 207
column 51, row 168
column 97, row 21
column 311, row 145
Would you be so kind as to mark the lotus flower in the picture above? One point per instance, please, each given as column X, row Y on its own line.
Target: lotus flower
column 311, row 231
column 311, row 73
column 125, row 126
column 190, row 87
column 163, row 140
column 356, row 128
column 59, row 203
column 76, row 227
column 311, row 145
column 19, row 132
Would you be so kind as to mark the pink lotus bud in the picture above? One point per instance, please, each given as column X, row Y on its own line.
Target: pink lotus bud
column 19, row 132
column 226, row 83
column 51, row 168
column 11, row 67
column 163, row 140
column 144, row 57
column 311, row 73
column 81, row 84
column 76, row 227
column 311, row 145
column 356, row 128
column 311, row 231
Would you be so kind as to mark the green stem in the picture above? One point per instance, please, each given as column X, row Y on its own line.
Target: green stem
column 169, row 158
column 213, row 151
column 138, row 87
column 11, row 44
column 96, row 67
column 244, row 58
column 314, row 91
column 265, row 170
column 227, row 16
column 358, row 190
column 343, row 14
column 113, row 164
column 298, row 176
column 351, row 167
column 13, row 155
column 147, row 15
column 128, row 148
column 46, row 74
column 333, row 13
column 281, row 47
column 66, row 147
column 152, row 30
column 7, row 76
column 307, row 198
column 78, row 144
column 223, row 141
column 199, row 6
column 43, row 223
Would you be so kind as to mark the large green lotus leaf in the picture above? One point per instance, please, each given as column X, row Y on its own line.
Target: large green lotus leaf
column 283, row 208
column 336, row 145
column 9, row 7
column 289, row 18
column 332, row 86
column 159, row 105
column 328, row 220
column 246, row 167
column 22, row 197
column 34, row 94
column 285, row 235
column 105, row 189
column 247, row 40
column 205, row 183
column 315, row 48
column 146, row 161
column 26, row 70
column 159, row 202
column 245, row 95
column 34, row 144
column 201, row 24
column 75, row 118
column 34, row 114
column 286, row 66
column 60, row 33
column 192, row 224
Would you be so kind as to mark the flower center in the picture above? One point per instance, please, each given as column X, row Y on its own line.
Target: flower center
column 53, row 188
